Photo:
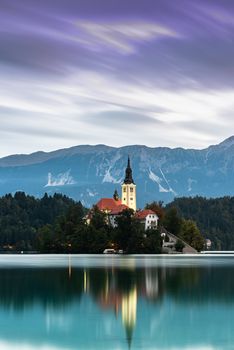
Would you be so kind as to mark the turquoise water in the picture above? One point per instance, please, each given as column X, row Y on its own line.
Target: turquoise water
column 113, row 302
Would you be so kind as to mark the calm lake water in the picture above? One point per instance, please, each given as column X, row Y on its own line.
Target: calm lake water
column 52, row 302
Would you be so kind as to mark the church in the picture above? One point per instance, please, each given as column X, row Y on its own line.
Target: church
column 115, row 206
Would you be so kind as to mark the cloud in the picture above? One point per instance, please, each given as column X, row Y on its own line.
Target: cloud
column 49, row 115
column 77, row 73
column 122, row 118
column 121, row 36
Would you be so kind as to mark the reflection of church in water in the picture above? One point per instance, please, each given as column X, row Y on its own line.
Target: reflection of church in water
column 124, row 303
column 129, row 313
column 123, row 300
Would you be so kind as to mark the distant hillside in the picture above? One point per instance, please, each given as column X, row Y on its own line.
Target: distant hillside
column 87, row 173
column 214, row 217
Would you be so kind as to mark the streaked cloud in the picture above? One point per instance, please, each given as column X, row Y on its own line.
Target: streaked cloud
column 121, row 36
column 76, row 73
column 118, row 119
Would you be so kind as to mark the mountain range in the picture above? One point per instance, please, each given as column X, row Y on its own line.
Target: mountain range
column 87, row 172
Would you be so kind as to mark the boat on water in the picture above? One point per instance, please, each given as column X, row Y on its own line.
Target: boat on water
column 112, row 251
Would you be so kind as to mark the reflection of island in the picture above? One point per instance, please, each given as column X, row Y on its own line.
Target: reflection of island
column 120, row 300
column 117, row 289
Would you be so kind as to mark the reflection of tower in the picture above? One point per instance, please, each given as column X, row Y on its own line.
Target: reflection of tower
column 69, row 266
column 129, row 188
column 129, row 311
column 86, row 281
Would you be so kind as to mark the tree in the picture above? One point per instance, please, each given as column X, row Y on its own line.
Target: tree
column 45, row 241
column 191, row 234
column 153, row 242
column 214, row 218
column 179, row 246
column 172, row 221
column 89, row 240
column 124, row 226
column 98, row 218
column 129, row 233
column 25, row 220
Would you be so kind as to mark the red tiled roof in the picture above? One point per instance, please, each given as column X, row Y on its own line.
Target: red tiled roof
column 142, row 214
column 119, row 209
column 111, row 205
column 108, row 204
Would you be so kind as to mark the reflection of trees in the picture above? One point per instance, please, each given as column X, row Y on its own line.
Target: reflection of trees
column 20, row 288
column 200, row 285
column 108, row 286
column 179, row 279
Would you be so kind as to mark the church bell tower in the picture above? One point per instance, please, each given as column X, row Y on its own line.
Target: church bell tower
column 129, row 189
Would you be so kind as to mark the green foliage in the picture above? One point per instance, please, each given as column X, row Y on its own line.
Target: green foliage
column 153, row 242
column 187, row 230
column 179, row 246
column 172, row 221
column 99, row 219
column 129, row 233
column 214, row 218
column 92, row 238
column 46, row 239
column 89, row 240
column 56, row 224
column 191, row 234
column 22, row 216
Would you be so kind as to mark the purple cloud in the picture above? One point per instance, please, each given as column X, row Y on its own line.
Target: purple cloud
column 85, row 59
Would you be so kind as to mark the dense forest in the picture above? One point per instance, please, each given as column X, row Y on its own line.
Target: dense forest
column 214, row 217
column 21, row 217
column 55, row 224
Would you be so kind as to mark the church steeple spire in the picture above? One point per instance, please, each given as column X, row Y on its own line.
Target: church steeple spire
column 128, row 173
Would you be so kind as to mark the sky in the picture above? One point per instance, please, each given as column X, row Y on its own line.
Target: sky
column 115, row 72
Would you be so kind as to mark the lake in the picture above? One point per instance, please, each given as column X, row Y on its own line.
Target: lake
column 52, row 302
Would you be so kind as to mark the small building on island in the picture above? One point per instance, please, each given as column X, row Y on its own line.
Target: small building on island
column 148, row 218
